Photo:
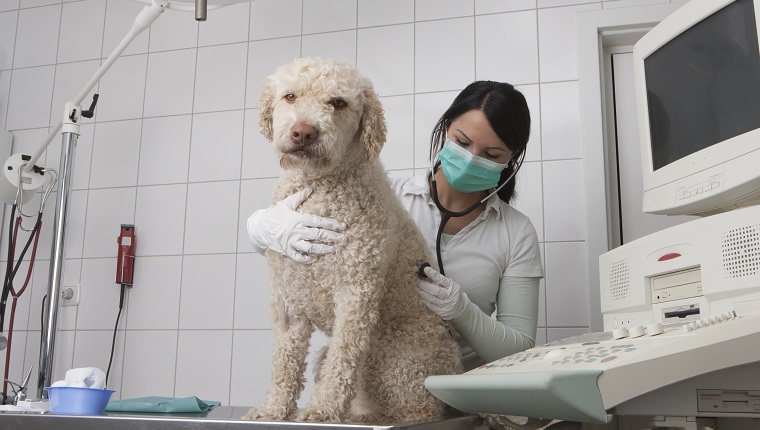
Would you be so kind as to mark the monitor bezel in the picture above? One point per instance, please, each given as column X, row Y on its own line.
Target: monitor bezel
column 723, row 158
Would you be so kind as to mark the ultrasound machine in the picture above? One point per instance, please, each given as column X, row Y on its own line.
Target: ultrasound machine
column 681, row 307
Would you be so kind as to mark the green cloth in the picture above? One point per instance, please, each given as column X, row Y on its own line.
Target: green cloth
column 161, row 405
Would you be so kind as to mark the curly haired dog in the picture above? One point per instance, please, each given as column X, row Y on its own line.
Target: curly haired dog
column 328, row 128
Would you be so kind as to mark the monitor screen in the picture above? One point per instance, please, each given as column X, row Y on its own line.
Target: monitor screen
column 703, row 86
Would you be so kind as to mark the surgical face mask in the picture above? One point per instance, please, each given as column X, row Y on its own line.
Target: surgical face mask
column 467, row 172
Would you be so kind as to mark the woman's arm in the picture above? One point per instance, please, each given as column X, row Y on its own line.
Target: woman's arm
column 514, row 328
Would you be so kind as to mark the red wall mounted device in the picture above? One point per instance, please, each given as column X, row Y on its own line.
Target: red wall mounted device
column 125, row 261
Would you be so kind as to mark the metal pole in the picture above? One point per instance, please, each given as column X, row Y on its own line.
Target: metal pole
column 57, row 260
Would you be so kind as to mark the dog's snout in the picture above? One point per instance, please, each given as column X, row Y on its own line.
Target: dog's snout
column 303, row 134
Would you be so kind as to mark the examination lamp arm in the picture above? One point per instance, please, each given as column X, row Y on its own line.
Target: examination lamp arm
column 144, row 19
column 69, row 124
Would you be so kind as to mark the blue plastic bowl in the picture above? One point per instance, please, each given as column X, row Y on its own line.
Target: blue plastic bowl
column 78, row 401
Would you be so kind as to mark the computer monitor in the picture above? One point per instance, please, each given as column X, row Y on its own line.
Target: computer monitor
column 697, row 83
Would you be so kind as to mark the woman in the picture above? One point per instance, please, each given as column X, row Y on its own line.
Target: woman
column 487, row 249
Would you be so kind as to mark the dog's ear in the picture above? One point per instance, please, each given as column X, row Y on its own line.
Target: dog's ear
column 266, row 103
column 373, row 129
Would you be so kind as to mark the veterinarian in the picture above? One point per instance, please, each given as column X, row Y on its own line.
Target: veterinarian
column 487, row 249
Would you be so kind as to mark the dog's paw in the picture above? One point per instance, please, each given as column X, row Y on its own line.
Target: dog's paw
column 364, row 418
column 262, row 413
column 319, row 415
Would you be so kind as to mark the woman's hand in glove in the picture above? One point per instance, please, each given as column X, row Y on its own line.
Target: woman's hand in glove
column 441, row 294
column 302, row 237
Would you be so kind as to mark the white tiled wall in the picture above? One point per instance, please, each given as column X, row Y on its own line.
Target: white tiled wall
column 174, row 148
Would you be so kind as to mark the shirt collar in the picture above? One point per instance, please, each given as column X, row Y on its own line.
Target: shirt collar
column 418, row 186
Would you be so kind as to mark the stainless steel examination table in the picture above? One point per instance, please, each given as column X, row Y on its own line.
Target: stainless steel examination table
column 219, row 418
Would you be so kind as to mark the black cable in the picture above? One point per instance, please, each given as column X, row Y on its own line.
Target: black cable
column 42, row 315
column 26, row 248
column 8, row 270
column 8, row 282
column 113, row 342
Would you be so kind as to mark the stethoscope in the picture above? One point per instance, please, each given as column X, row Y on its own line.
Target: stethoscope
column 446, row 214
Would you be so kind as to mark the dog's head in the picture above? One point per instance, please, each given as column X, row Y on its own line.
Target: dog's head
column 321, row 113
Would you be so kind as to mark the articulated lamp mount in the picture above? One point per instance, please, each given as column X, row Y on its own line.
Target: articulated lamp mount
column 21, row 176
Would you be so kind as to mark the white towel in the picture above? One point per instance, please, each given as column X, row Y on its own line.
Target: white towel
column 84, row 377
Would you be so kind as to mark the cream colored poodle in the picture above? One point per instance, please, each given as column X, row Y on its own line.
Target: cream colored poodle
column 328, row 128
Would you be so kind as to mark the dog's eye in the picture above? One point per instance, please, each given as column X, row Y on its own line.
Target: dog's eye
column 290, row 97
column 338, row 103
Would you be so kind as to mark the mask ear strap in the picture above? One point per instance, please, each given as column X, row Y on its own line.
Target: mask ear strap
column 516, row 167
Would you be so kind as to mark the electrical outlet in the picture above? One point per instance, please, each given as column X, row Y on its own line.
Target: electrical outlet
column 70, row 295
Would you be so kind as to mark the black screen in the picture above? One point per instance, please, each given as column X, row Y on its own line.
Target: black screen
column 703, row 87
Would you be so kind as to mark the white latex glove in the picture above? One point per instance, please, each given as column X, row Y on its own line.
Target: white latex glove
column 302, row 237
column 441, row 294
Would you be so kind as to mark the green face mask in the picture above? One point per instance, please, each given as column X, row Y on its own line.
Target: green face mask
column 467, row 172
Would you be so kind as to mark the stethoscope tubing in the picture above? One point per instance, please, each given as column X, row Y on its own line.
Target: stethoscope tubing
column 446, row 214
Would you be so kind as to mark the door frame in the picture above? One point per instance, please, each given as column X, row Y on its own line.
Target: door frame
column 601, row 32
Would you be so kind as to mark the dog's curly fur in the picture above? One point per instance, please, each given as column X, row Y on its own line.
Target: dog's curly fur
column 383, row 342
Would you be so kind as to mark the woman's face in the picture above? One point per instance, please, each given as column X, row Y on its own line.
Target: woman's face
column 473, row 132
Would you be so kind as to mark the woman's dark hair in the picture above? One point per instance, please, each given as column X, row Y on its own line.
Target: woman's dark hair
column 506, row 111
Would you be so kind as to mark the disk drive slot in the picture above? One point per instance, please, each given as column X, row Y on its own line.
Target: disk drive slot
column 677, row 285
column 728, row 401
column 681, row 313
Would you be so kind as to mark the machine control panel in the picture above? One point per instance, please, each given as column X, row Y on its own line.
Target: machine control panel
column 604, row 347
column 586, row 376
